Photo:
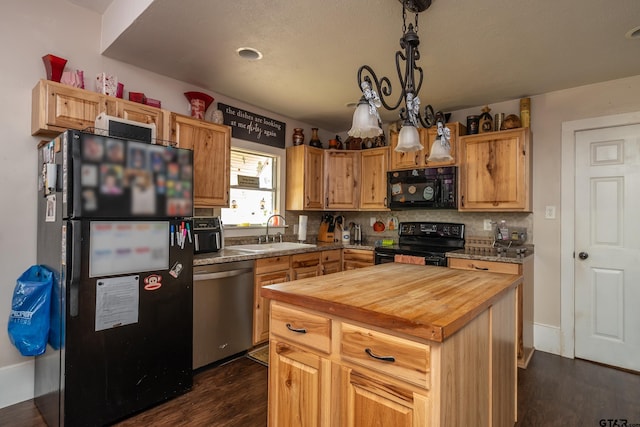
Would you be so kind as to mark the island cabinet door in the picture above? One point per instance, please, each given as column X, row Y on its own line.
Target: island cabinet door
column 370, row 402
column 299, row 387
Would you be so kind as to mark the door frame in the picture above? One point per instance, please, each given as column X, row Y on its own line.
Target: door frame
column 567, row 215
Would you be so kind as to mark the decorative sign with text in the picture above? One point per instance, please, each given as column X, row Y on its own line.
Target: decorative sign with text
column 253, row 127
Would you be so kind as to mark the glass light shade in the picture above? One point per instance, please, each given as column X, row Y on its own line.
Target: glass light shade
column 439, row 153
column 365, row 125
column 408, row 139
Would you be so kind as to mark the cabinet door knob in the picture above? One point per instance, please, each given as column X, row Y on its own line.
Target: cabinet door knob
column 583, row 255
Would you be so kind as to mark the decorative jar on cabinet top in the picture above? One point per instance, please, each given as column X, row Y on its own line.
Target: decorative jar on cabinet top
column 298, row 136
column 315, row 140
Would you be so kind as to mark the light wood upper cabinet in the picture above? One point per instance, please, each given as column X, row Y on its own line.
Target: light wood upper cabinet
column 495, row 171
column 410, row 160
column 304, row 178
column 57, row 107
column 211, row 145
column 374, row 164
column 144, row 114
column 342, row 175
column 457, row 130
column 418, row 159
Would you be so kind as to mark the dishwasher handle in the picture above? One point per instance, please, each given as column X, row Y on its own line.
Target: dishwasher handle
column 221, row 274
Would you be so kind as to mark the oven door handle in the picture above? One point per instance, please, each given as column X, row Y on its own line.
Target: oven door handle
column 379, row 256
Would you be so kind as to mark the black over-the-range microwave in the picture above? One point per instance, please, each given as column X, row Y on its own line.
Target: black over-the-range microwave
column 428, row 188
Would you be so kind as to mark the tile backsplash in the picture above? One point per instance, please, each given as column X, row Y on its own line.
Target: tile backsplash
column 474, row 221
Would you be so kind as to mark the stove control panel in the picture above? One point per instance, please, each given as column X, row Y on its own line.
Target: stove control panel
column 432, row 229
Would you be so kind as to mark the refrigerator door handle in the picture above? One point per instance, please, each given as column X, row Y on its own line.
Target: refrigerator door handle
column 76, row 267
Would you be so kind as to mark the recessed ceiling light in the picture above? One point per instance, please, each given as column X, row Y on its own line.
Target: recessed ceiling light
column 249, row 53
column 633, row 34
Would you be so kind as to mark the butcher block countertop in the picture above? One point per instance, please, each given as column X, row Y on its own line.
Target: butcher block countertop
column 425, row 302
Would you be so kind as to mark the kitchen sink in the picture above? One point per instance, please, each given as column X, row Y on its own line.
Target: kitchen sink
column 270, row 247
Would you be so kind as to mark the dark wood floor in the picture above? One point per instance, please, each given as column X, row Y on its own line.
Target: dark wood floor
column 553, row 391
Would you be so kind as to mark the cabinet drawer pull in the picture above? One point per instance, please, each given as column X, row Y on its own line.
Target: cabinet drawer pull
column 292, row 329
column 480, row 268
column 384, row 358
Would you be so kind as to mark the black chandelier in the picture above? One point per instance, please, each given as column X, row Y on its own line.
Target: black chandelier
column 366, row 121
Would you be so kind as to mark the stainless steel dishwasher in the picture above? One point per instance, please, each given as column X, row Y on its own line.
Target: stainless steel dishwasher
column 222, row 311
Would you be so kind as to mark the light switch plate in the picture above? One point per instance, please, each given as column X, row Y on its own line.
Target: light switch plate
column 487, row 225
column 550, row 212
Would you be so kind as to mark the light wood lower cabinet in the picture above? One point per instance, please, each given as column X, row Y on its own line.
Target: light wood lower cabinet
column 524, row 294
column 357, row 258
column 306, row 265
column 326, row 371
column 370, row 402
column 331, row 261
column 267, row 271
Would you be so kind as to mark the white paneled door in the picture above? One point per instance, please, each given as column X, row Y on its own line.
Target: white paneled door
column 607, row 246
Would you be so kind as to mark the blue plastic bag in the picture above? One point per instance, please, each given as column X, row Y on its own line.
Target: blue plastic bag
column 30, row 309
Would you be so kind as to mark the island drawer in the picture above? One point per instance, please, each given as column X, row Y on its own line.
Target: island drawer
column 406, row 360
column 478, row 265
column 301, row 327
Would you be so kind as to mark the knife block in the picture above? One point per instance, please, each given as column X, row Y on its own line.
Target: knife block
column 324, row 235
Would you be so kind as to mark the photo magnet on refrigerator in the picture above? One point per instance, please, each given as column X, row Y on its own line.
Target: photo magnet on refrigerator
column 176, row 270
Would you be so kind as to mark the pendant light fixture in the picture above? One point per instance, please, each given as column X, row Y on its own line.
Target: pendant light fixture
column 408, row 139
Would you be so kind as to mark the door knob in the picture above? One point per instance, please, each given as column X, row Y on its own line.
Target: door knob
column 583, row 255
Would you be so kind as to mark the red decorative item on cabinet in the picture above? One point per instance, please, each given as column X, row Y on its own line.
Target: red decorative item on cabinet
column 54, row 66
column 199, row 103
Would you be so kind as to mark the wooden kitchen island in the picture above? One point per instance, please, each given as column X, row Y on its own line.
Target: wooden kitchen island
column 394, row 345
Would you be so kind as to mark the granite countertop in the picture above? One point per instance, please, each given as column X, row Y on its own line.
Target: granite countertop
column 509, row 255
column 425, row 302
column 230, row 255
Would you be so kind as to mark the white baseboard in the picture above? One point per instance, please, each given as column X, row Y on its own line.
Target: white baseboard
column 17, row 383
column 546, row 338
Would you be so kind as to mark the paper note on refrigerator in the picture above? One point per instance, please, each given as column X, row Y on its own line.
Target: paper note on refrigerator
column 117, row 302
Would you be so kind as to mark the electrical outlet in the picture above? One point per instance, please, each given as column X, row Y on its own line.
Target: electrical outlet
column 487, row 225
column 372, row 220
column 550, row 212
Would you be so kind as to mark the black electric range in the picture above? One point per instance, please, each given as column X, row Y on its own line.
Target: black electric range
column 428, row 240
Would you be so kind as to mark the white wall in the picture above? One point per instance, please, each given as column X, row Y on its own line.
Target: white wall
column 30, row 29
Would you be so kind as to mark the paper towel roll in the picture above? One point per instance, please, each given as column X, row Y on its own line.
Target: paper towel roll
column 302, row 228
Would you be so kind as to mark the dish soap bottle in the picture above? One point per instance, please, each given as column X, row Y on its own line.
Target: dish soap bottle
column 503, row 231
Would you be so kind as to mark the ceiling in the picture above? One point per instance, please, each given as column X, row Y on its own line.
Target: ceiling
column 472, row 52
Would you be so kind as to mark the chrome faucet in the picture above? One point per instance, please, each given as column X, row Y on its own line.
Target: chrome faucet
column 268, row 221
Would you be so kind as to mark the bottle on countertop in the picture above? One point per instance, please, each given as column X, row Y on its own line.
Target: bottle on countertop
column 503, row 231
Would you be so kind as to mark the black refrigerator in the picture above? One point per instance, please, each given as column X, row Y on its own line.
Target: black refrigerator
column 114, row 227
